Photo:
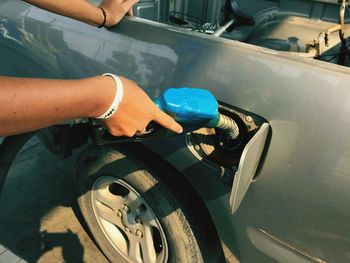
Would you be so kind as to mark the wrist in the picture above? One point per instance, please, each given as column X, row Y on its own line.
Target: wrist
column 111, row 17
column 110, row 96
column 105, row 16
column 101, row 95
column 96, row 16
column 119, row 90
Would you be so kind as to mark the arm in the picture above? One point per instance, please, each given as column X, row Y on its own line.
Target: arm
column 86, row 12
column 30, row 104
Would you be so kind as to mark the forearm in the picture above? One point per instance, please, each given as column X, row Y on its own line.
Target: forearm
column 81, row 10
column 29, row 104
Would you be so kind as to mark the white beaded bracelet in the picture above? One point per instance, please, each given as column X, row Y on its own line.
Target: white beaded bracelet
column 117, row 99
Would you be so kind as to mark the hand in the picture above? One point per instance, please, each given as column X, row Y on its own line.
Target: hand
column 135, row 111
column 116, row 10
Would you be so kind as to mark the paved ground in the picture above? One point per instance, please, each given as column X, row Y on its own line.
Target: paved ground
column 37, row 222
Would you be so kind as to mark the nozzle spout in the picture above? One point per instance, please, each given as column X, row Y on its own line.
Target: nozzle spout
column 229, row 125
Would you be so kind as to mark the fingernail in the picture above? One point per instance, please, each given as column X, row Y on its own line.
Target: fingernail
column 180, row 130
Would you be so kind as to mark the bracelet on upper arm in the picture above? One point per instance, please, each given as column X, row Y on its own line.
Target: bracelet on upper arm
column 117, row 98
column 104, row 17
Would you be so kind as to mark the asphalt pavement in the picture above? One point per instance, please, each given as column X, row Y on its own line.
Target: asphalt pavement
column 37, row 221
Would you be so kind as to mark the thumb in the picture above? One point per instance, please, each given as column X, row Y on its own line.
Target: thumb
column 128, row 4
column 168, row 122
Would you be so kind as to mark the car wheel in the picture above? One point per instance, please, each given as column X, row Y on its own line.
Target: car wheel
column 135, row 212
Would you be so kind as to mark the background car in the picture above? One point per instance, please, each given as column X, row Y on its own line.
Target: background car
column 279, row 68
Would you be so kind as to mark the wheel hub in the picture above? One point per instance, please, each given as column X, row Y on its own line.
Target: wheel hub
column 128, row 221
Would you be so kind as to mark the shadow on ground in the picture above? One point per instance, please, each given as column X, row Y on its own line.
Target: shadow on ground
column 37, row 222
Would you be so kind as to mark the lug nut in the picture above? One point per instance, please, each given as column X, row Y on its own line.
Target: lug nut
column 197, row 147
column 139, row 233
column 138, row 220
column 126, row 208
column 126, row 229
column 248, row 119
column 119, row 213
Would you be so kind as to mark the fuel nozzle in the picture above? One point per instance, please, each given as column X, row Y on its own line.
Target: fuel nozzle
column 198, row 108
column 195, row 108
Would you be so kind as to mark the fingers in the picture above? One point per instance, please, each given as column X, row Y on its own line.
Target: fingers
column 120, row 132
column 128, row 4
column 167, row 121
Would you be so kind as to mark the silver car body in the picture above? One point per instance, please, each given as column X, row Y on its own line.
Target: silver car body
column 297, row 208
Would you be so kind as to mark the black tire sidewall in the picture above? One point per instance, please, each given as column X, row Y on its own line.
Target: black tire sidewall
column 107, row 161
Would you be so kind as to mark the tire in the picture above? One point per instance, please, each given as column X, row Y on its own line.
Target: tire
column 139, row 214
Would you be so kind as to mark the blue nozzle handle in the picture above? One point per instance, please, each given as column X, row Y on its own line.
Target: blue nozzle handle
column 196, row 107
column 190, row 105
